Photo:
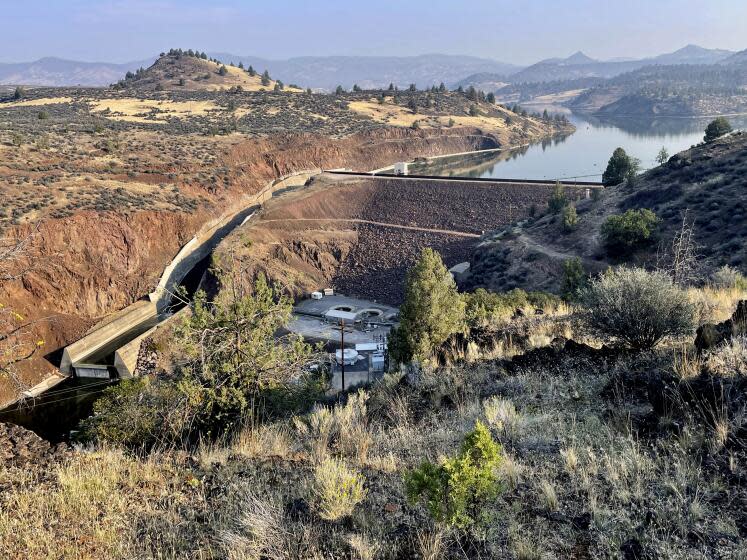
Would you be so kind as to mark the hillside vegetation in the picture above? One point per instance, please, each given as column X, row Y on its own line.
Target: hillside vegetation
column 119, row 179
column 703, row 186
column 192, row 71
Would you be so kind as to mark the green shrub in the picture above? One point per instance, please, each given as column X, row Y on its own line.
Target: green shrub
column 628, row 232
column 433, row 311
column 485, row 309
column 574, row 279
column 543, row 300
column 637, row 307
column 717, row 128
column 558, row 199
column 455, row 490
column 138, row 413
column 336, row 489
column 570, row 218
column 235, row 362
column 232, row 368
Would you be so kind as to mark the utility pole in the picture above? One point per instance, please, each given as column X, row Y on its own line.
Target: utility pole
column 342, row 351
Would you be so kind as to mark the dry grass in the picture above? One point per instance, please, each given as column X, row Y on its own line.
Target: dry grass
column 135, row 110
column 86, row 511
column 397, row 115
column 37, row 102
column 265, row 441
column 715, row 304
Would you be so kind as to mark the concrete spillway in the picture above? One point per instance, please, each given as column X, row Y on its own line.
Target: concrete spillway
column 112, row 347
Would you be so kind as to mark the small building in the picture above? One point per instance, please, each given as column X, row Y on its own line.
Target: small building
column 336, row 315
column 400, row 168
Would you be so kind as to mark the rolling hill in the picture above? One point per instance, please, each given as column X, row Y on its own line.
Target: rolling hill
column 177, row 71
column 579, row 66
column 370, row 72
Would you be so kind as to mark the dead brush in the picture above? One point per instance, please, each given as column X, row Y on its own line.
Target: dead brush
column 430, row 544
column 502, row 416
column 548, row 496
column 342, row 430
column 364, row 546
column 261, row 532
column 264, row 441
column 729, row 359
column 686, row 363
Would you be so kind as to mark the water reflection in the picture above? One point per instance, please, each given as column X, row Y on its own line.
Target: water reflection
column 584, row 154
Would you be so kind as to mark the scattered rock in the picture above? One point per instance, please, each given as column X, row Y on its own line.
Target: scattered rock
column 19, row 447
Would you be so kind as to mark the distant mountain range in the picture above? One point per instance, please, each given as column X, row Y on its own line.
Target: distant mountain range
column 578, row 65
column 326, row 72
column 51, row 71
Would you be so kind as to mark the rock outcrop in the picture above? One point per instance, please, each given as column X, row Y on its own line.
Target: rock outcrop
column 709, row 335
column 20, row 447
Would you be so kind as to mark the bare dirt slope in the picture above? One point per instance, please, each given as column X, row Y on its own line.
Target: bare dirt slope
column 360, row 236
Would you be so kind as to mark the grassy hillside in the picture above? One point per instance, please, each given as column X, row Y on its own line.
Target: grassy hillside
column 707, row 183
column 596, row 458
column 181, row 71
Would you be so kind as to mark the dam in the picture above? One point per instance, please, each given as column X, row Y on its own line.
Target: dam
column 109, row 351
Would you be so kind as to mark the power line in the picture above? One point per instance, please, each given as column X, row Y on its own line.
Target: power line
column 79, row 388
column 35, row 405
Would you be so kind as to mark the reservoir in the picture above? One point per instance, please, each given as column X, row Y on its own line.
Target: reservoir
column 582, row 155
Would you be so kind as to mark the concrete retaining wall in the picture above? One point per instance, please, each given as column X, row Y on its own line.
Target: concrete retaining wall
column 125, row 358
column 140, row 312
column 137, row 313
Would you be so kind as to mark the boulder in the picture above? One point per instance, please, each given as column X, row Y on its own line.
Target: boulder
column 19, row 447
column 709, row 335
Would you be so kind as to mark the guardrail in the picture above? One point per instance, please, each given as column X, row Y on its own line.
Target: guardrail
column 588, row 184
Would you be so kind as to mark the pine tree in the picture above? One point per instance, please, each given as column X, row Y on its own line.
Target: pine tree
column 617, row 168
column 662, row 157
column 433, row 311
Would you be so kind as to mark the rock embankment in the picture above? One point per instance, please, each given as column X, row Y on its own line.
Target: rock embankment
column 20, row 447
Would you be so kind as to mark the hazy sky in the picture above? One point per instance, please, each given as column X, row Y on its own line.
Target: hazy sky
column 512, row 31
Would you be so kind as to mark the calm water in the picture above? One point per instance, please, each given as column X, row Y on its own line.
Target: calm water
column 584, row 154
